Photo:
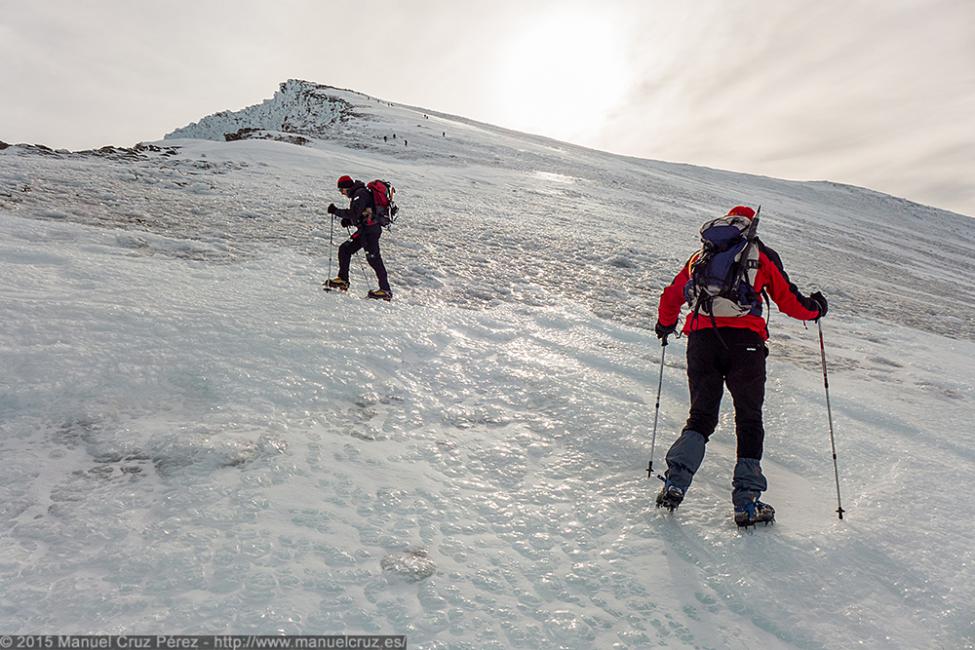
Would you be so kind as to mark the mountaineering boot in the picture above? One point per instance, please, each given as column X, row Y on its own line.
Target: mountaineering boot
column 748, row 482
column 379, row 294
column 669, row 496
column 337, row 283
column 754, row 512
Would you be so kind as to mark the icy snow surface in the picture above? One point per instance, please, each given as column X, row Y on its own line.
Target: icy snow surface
column 197, row 439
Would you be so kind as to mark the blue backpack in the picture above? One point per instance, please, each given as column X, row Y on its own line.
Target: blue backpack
column 723, row 271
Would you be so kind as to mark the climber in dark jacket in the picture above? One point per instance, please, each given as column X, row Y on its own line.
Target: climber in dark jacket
column 367, row 232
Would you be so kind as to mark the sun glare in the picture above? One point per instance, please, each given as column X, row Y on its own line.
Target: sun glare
column 560, row 73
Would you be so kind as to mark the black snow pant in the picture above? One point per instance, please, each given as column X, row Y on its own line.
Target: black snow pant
column 735, row 357
column 366, row 237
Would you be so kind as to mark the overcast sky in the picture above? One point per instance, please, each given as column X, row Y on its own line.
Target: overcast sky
column 879, row 93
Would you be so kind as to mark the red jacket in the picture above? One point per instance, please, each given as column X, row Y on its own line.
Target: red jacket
column 770, row 276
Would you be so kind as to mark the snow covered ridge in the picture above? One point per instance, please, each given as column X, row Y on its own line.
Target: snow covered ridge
column 298, row 107
column 138, row 151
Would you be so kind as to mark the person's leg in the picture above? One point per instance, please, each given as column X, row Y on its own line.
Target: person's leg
column 706, row 383
column 375, row 258
column 346, row 251
column 746, row 383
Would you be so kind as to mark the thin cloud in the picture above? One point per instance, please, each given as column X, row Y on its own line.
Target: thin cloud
column 869, row 95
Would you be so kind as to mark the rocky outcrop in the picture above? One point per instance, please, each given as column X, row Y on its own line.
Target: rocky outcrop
column 301, row 108
column 138, row 151
column 248, row 133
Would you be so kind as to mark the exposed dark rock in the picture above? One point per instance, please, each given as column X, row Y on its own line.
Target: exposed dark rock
column 240, row 134
column 39, row 149
column 251, row 133
column 293, row 139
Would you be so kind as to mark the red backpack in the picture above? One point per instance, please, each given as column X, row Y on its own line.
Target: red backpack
column 383, row 194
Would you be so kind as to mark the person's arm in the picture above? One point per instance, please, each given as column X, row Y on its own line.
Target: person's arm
column 783, row 293
column 352, row 215
column 672, row 299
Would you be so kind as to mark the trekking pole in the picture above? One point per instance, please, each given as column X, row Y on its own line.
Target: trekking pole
column 331, row 246
column 829, row 411
column 656, row 412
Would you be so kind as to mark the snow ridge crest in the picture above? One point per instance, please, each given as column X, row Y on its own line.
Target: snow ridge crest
column 298, row 107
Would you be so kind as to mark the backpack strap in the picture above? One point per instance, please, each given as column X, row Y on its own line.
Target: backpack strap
column 714, row 326
column 768, row 308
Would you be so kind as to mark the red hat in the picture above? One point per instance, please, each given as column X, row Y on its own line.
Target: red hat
column 345, row 182
column 741, row 211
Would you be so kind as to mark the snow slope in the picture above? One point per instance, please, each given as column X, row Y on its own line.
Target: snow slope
column 197, row 439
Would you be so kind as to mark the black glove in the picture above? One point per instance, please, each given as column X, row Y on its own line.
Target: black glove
column 346, row 222
column 820, row 300
column 331, row 208
column 663, row 331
